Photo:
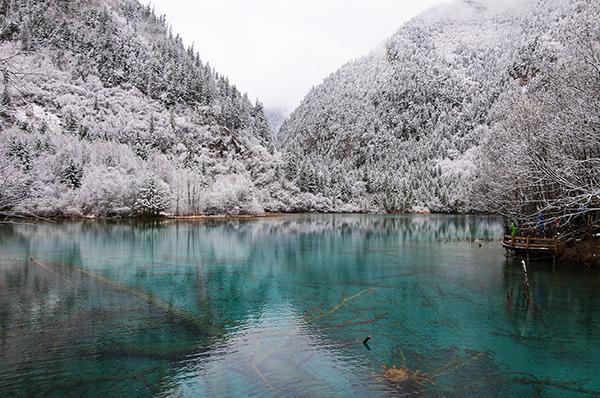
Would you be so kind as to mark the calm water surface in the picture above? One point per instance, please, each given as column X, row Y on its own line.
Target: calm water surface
column 279, row 307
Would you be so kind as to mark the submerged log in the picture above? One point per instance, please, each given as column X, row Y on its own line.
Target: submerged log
column 182, row 315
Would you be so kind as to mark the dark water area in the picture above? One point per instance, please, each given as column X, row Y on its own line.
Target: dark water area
column 280, row 307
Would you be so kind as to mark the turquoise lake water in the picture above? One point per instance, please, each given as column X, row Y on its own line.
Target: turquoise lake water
column 280, row 307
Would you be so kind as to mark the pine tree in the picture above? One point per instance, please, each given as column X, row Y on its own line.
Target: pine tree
column 43, row 128
column 307, row 179
column 6, row 101
column 261, row 124
column 151, row 128
column 71, row 124
column 84, row 132
column 154, row 197
column 72, row 174
column 25, row 37
column 140, row 146
column 291, row 165
column 20, row 152
column 172, row 121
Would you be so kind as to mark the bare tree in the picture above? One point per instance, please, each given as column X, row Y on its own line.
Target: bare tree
column 544, row 156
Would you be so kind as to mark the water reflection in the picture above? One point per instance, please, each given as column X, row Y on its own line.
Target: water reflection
column 281, row 306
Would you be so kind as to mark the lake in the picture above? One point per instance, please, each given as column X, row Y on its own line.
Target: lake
column 281, row 306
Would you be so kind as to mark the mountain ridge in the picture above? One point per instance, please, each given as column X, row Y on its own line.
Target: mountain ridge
column 400, row 128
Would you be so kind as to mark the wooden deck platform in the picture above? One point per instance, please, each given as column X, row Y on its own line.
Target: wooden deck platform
column 530, row 245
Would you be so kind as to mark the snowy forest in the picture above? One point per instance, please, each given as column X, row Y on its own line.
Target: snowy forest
column 104, row 112
column 474, row 106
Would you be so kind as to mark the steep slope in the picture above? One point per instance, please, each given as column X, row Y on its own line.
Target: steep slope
column 104, row 112
column 400, row 127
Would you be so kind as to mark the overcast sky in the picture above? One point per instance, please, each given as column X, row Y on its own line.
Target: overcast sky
column 276, row 50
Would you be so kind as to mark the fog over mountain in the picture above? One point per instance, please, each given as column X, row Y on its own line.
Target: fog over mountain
column 277, row 50
column 276, row 118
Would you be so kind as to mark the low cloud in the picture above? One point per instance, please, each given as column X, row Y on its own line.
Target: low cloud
column 276, row 50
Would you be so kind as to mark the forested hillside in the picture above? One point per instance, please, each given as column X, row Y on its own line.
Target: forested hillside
column 104, row 112
column 404, row 126
column 474, row 105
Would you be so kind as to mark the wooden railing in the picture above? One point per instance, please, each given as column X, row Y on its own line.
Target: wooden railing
column 533, row 244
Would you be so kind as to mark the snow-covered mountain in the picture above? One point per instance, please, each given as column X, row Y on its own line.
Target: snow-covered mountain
column 467, row 107
column 401, row 127
column 102, row 104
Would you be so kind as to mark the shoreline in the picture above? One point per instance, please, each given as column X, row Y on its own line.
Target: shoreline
column 16, row 219
column 220, row 217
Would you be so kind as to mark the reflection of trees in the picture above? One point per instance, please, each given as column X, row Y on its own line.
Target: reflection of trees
column 414, row 228
column 224, row 274
column 550, row 296
column 192, row 264
column 543, row 322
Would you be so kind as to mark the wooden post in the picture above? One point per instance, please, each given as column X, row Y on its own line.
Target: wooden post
column 526, row 284
column 555, row 254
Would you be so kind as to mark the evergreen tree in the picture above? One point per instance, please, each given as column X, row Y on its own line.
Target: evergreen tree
column 151, row 128
column 19, row 151
column 71, row 124
column 71, row 174
column 153, row 198
column 172, row 121
column 6, row 101
column 25, row 36
column 261, row 124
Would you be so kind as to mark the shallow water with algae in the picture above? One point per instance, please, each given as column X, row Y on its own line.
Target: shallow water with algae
column 281, row 307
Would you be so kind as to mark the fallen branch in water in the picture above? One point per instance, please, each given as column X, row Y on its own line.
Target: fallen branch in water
column 16, row 223
column 344, row 301
column 264, row 379
column 456, row 364
column 571, row 386
column 44, row 266
column 370, row 321
column 179, row 313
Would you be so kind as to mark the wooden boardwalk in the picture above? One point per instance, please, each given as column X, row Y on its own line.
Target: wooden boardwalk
column 531, row 245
